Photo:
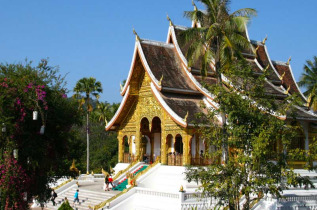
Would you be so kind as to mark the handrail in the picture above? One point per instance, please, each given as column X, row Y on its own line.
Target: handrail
column 62, row 184
column 158, row 160
column 125, row 170
column 102, row 204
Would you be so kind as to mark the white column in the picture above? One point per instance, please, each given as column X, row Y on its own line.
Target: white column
column 133, row 145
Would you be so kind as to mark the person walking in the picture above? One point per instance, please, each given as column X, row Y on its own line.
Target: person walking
column 53, row 196
column 107, row 182
column 110, row 181
column 76, row 198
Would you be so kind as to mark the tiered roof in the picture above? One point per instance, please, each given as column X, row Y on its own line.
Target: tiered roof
column 179, row 88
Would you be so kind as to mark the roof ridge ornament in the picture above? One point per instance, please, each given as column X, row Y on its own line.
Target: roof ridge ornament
column 169, row 19
column 137, row 38
column 186, row 116
column 264, row 40
column 266, row 68
column 195, row 7
column 160, row 82
column 289, row 60
column 121, row 88
column 282, row 76
column 286, row 92
column 256, row 50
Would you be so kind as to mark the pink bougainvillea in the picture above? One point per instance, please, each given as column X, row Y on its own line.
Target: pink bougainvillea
column 13, row 183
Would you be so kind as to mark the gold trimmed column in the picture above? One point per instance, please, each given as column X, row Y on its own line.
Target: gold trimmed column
column 137, row 140
column 163, row 148
column 120, row 147
column 186, row 142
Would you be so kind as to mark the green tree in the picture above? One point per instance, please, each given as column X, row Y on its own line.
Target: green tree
column 256, row 165
column 309, row 81
column 103, row 144
column 89, row 87
column 46, row 155
column 218, row 41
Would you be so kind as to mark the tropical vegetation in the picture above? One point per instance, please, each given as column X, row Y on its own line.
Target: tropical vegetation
column 309, row 81
column 250, row 119
column 89, row 87
column 34, row 150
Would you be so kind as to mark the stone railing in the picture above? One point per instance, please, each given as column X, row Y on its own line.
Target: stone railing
column 63, row 183
column 107, row 202
column 190, row 206
column 298, row 198
column 99, row 176
column 151, row 192
column 157, row 161
column 84, row 177
column 125, row 170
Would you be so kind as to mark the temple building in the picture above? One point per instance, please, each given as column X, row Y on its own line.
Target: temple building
column 162, row 95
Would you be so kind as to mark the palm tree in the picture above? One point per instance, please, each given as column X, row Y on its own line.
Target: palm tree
column 219, row 40
column 309, row 81
column 88, row 87
column 103, row 112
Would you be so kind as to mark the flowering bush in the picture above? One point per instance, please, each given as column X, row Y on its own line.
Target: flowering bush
column 13, row 184
column 24, row 89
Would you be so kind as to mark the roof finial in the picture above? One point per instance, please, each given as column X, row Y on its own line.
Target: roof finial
column 289, row 60
column 264, row 40
column 195, row 7
column 282, row 76
column 136, row 36
column 256, row 50
column 121, row 87
column 160, row 82
column 286, row 92
column 267, row 67
column 186, row 116
column 169, row 19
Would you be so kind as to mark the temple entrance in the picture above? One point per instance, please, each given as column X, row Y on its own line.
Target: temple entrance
column 174, row 150
column 126, row 150
column 150, row 147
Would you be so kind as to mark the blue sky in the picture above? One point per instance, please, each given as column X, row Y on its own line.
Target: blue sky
column 94, row 38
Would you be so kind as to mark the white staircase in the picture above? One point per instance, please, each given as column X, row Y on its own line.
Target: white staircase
column 168, row 179
column 88, row 196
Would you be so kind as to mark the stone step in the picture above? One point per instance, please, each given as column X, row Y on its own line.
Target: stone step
column 86, row 198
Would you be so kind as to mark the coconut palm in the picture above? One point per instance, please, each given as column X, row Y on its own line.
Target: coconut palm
column 220, row 39
column 89, row 87
column 309, row 81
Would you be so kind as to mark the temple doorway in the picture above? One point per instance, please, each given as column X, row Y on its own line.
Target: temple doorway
column 150, row 147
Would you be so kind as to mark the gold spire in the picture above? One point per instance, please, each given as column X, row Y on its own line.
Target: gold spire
column 256, row 49
column 160, row 82
column 195, row 7
column 136, row 35
column 264, row 40
column 282, row 76
column 286, row 92
column 289, row 60
column 186, row 116
column 169, row 19
column 73, row 166
column 121, row 88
